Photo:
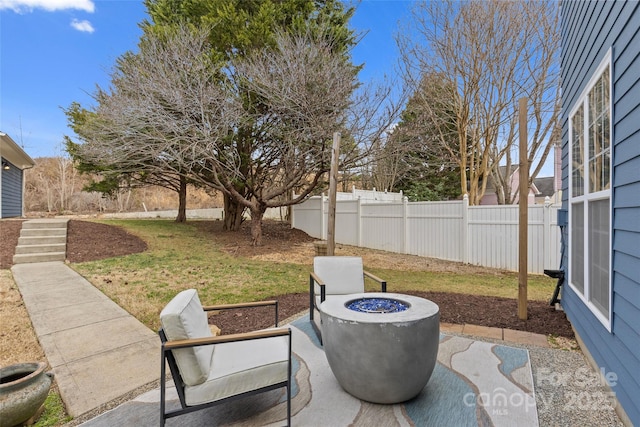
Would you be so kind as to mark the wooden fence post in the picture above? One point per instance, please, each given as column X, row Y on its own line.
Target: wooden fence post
column 333, row 188
column 359, row 220
column 323, row 212
column 465, row 229
column 523, row 243
column 546, row 242
column 405, row 224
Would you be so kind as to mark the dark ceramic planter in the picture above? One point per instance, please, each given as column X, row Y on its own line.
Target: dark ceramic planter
column 23, row 390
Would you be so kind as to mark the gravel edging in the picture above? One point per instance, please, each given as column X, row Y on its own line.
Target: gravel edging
column 568, row 391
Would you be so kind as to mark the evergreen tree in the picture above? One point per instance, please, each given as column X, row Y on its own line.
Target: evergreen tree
column 425, row 168
column 238, row 28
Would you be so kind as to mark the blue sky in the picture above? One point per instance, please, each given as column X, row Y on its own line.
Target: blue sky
column 54, row 52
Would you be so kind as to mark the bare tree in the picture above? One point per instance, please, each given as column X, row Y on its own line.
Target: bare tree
column 387, row 169
column 51, row 185
column 492, row 53
column 542, row 89
column 164, row 116
column 167, row 113
column 66, row 183
column 306, row 92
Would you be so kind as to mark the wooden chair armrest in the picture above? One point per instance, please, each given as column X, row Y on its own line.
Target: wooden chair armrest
column 316, row 279
column 195, row 342
column 323, row 289
column 383, row 283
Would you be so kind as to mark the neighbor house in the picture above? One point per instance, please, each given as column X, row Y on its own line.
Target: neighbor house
column 14, row 162
column 601, row 181
column 542, row 190
column 490, row 196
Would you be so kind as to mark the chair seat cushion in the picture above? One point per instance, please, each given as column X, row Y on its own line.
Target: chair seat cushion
column 183, row 318
column 243, row 366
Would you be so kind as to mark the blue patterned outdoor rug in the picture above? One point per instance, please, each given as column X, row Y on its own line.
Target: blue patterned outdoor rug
column 474, row 383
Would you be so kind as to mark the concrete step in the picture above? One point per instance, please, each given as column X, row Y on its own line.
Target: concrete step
column 41, row 249
column 44, row 223
column 28, row 232
column 27, row 258
column 42, row 240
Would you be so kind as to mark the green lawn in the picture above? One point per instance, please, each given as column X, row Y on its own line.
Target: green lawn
column 180, row 256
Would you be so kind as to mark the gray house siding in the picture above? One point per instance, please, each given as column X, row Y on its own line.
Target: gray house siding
column 11, row 191
column 589, row 30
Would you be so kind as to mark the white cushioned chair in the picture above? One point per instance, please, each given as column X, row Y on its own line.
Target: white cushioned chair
column 208, row 370
column 335, row 275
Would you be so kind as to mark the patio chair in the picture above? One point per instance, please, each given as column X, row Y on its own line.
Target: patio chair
column 335, row 275
column 210, row 370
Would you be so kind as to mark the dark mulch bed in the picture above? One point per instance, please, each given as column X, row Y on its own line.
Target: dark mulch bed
column 454, row 308
column 88, row 241
column 9, row 234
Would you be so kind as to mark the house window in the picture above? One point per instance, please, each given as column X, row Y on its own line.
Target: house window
column 590, row 195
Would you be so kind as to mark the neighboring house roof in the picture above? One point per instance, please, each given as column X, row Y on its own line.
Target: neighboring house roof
column 491, row 187
column 13, row 153
column 544, row 186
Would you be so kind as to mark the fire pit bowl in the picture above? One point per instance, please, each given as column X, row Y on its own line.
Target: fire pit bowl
column 381, row 353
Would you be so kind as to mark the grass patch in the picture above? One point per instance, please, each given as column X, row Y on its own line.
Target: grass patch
column 54, row 413
column 180, row 256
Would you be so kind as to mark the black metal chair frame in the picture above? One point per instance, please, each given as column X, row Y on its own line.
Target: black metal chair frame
column 556, row 274
column 314, row 279
column 168, row 359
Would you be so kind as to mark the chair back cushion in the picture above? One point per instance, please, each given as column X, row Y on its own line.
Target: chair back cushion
column 341, row 274
column 183, row 318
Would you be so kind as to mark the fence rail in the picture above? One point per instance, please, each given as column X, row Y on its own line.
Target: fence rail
column 455, row 231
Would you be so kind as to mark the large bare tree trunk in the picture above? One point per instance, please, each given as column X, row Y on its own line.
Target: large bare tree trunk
column 182, row 200
column 256, row 225
column 232, row 214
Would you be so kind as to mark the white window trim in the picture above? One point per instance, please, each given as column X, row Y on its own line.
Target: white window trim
column 582, row 101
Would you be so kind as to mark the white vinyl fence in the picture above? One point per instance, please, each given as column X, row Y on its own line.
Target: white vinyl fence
column 479, row 235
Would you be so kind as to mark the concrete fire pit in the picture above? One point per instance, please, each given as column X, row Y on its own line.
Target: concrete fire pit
column 379, row 354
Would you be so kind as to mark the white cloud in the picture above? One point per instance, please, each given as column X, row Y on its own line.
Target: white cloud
column 83, row 26
column 23, row 6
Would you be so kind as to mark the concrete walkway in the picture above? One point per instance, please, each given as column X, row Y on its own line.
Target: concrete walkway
column 97, row 350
